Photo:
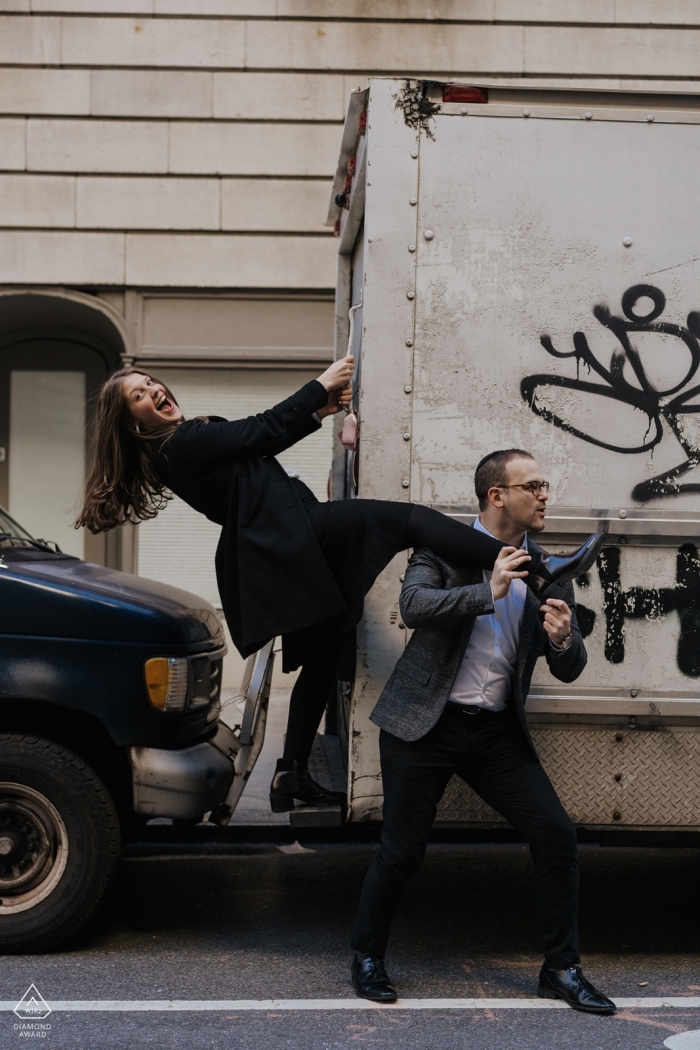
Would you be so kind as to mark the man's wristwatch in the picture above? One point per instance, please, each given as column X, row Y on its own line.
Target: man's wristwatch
column 565, row 642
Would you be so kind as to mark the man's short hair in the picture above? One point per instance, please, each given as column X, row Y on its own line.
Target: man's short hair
column 492, row 470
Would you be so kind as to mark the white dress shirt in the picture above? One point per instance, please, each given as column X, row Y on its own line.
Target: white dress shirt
column 486, row 673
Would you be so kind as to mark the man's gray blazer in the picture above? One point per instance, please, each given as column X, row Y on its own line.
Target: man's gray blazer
column 442, row 602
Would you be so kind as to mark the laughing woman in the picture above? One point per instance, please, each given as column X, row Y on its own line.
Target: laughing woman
column 286, row 564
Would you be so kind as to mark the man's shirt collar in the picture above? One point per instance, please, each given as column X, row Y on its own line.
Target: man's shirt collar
column 482, row 528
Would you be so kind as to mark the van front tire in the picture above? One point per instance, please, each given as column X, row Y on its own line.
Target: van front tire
column 59, row 843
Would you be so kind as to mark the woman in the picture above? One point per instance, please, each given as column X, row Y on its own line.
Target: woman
column 286, row 564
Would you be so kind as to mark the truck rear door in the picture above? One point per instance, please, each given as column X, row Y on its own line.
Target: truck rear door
column 531, row 280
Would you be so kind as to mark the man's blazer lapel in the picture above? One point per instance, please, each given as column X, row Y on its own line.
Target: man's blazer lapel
column 527, row 629
column 465, row 578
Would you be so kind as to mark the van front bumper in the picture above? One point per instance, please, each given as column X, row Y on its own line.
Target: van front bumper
column 183, row 784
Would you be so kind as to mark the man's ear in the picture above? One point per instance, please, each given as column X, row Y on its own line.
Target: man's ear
column 495, row 497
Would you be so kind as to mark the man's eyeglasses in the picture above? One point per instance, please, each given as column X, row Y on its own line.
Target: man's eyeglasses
column 535, row 487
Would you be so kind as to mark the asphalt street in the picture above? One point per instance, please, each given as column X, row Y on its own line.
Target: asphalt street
column 255, row 923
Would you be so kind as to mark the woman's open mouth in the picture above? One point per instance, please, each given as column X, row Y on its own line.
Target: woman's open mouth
column 163, row 404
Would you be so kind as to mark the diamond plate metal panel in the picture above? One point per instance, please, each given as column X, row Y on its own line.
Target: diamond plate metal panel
column 459, row 804
column 625, row 776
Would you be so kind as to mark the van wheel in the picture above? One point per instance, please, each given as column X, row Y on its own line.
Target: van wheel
column 59, row 843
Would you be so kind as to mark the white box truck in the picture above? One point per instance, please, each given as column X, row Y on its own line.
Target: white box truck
column 522, row 268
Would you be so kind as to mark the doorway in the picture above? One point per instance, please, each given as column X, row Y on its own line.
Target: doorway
column 47, row 389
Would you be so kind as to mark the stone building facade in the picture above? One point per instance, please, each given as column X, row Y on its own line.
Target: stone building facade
column 165, row 170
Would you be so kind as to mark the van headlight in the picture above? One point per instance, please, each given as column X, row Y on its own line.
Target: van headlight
column 167, row 679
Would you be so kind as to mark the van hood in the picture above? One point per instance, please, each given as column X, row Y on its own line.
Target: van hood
column 56, row 596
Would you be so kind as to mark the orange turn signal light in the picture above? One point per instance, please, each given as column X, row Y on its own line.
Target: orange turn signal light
column 167, row 679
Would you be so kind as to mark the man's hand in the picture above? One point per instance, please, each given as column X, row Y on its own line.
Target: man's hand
column 557, row 620
column 337, row 399
column 506, row 569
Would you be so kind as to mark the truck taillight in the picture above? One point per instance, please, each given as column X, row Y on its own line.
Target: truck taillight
column 167, row 679
column 464, row 93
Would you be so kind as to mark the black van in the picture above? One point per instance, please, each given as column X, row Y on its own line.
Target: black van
column 110, row 697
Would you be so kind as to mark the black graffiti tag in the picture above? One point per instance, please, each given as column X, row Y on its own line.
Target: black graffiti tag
column 648, row 603
column 659, row 406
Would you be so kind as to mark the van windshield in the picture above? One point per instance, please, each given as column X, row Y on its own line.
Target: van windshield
column 10, row 529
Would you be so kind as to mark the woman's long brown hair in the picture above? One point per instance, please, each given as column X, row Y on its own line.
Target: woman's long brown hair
column 123, row 484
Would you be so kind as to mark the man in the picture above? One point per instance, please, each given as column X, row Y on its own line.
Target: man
column 455, row 704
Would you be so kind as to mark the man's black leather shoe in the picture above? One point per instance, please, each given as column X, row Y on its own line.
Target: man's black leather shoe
column 560, row 568
column 370, row 980
column 298, row 784
column 571, row 986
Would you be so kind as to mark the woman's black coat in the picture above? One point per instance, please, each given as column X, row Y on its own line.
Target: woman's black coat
column 272, row 576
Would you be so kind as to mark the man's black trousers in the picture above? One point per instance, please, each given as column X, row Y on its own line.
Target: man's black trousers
column 489, row 751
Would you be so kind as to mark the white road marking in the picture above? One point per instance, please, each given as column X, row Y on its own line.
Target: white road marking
column 684, row 1041
column 214, row 1005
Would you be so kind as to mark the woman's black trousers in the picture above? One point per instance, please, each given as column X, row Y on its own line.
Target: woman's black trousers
column 358, row 539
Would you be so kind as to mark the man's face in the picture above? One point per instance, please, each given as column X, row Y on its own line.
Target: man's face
column 524, row 507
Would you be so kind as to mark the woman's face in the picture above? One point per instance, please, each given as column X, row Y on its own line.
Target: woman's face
column 148, row 402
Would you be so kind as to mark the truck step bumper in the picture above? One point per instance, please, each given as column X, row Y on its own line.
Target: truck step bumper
column 180, row 784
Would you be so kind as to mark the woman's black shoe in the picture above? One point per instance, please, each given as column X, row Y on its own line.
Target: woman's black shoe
column 290, row 785
column 560, row 568
column 571, row 986
column 370, row 980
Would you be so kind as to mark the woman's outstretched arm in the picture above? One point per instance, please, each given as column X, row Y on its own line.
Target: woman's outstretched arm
column 216, row 443
column 207, row 446
column 337, row 401
column 308, row 426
